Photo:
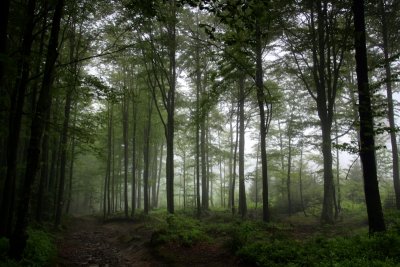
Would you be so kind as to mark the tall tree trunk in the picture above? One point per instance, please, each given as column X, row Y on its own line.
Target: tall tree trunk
column 231, row 156
column 15, row 117
column 19, row 236
column 288, row 177
column 146, row 157
column 134, row 123
column 338, row 195
column 327, row 215
column 204, row 178
column 198, row 118
column 154, row 177
column 233, row 185
column 171, row 107
column 159, row 173
column 263, row 121
column 184, row 180
column 71, row 166
column 367, row 149
column 125, row 126
column 242, row 189
column 389, row 92
column 65, row 130
column 301, row 180
column 44, row 173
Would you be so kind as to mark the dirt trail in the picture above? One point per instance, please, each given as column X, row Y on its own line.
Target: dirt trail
column 89, row 242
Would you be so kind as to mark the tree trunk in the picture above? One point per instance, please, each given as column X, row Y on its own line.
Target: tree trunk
column 15, row 117
column 242, row 189
column 171, row 108
column 389, row 92
column 154, row 178
column 4, row 14
column 263, row 122
column 71, row 166
column 288, row 177
column 232, row 200
column 327, row 215
column 134, row 123
column 19, row 237
column 146, row 157
column 159, row 173
column 301, row 180
column 204, row 178
column 125, row 126
column 367, row 149
column 44, row 173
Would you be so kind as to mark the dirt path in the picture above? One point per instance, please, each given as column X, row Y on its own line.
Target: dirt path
column 89, row 242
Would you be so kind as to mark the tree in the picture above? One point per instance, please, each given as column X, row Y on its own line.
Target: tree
column 19, row 236
column 327, row 31
column 367, row 146
column 14, row 121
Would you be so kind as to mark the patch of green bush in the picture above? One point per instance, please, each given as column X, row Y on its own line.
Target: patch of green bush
column 185, row 231
column 40, row 250
column 360, row 250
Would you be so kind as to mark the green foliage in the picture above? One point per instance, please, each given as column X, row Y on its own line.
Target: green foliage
column 40, row 250
column 184, row 230
column 359, row 250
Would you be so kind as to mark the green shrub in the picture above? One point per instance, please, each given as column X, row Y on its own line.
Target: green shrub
column 184, row 230
column 40, row 249
column 361, row 250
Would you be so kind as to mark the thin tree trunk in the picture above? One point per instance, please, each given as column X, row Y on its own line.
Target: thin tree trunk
column 125, row 126
column 154, row 178
column 44, row 173
column 242, row 189
column 234, row 166
column 159, row 173
column 134, row 123
column 288, row 177
column 389, row 92
column 263, row 121
column 71, row 166
column 301, row 180
column 146, row 157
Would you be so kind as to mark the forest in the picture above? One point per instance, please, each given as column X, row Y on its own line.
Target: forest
column 199, row 133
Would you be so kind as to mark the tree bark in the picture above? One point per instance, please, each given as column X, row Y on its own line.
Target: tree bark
column 146, row 157
column 19, row 236
column 125, row 126
column 14, row 122
column 133, row 193
column 367, row 149
column 4, row 14
column 263, row 121
column 389, row 92
column 242, row 189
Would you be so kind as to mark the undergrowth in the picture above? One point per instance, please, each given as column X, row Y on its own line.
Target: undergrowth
column 40, row 250
column 183, row 230
column 257, row 244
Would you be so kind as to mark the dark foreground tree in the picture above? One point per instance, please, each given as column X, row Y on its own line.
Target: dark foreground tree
column 367, row 146
column 19, row 236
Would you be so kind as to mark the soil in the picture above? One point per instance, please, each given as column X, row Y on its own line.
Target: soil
column 87, row 241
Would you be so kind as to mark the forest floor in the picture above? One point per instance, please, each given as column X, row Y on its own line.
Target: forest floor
column 88, row 241
column 220, row 239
